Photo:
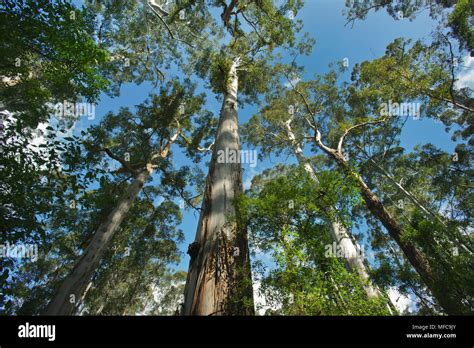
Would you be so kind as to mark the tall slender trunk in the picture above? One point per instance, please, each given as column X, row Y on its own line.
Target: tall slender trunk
column 219, row 277
column 75, row 284
column 73, row 287
column 338, row 232
column 446, row 297
column 426, row 211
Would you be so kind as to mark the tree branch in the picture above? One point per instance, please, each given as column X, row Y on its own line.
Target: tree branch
column 255, row 29
column 347, row 131
column 227, row 12
column 124, row 163
column 161, row 19
column 165, row 150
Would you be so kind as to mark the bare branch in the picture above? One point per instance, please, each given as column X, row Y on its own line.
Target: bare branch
column 161, row 19
column 317, row 139
column 124, row 163
column 312, row 113
column 408, row 194
column 347, row 131
column 201, row 149
column 363, row 14
column 206, row 149
column 252, row 24
column 165, row 150
column 313, row 123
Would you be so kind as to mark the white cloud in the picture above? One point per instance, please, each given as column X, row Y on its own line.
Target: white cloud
column 466, row 76
column 293, row 82
column 400, row 301
column 260, row 303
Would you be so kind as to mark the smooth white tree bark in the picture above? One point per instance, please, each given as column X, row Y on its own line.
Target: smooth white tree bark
column 219, row 272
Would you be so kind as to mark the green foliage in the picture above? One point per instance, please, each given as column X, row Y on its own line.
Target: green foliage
column 458, row 19
column 256, row 30
column 144, row 133
column 47, row 56
column 138, row 261
column 57, row 190
column 143, row 46
column 219, row 72
column 461, row 22
column 287, row 219
column 407, row 72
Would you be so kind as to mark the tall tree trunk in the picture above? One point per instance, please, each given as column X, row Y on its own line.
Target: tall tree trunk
column 426, row 211
column 73, row 287
column 219, row 277
column 338, row 232
column 446, row 297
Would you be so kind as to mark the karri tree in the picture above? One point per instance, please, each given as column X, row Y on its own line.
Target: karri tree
column 273, row 132
column 140, row 143
column 219, row 278
column 287, row 222
column 333, row 116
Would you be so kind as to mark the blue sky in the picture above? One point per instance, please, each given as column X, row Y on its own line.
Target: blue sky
column 324, row 21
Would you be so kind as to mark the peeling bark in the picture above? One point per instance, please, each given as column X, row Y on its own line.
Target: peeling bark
column 219, row 278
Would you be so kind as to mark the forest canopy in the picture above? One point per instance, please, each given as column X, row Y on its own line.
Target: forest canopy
column 237, row 157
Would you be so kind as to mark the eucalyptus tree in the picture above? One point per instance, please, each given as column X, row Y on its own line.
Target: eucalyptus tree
column 141, row 144
column 287, row 222
column 138, row 260
column 219, row 278
column 48, row 55
column 170, row 298
column 422, row 76
column 454, row 17
column 146, row 244
column 331, row 115
column 436, row 214
column 149, row 40
column 75, row 53
column 275, row 135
